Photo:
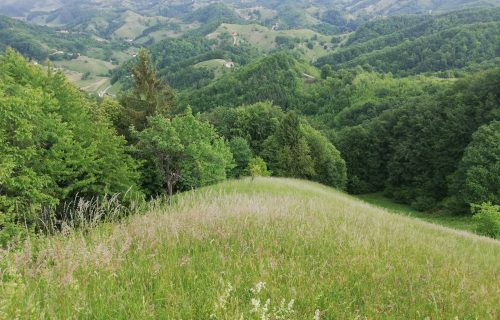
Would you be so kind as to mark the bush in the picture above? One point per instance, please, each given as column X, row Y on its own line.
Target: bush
column 423, row 203
column 257, row 168
column 11, row 232
column 488, row 219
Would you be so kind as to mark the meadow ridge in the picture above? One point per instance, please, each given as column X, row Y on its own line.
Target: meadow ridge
column 268, row 248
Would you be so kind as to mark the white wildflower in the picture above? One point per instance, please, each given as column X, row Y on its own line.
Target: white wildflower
column 222, row 301
column 258, row 287
column 256, row 305
column 290, row 304
column 317, row 315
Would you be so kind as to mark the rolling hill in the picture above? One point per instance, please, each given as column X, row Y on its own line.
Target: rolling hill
column 277, row 248
column 416, row 44
column 329, row 16
column 85, row 59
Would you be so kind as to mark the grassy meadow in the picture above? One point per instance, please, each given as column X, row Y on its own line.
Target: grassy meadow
column 462, row 222
column 262, row 249
column 265, row 39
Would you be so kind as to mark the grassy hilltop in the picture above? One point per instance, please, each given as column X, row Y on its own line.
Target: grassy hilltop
column 268, row 248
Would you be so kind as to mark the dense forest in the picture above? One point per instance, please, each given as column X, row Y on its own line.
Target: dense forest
column 409, row 45
column 407, row 106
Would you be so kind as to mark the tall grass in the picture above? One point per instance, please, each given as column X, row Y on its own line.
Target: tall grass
column 262, row 249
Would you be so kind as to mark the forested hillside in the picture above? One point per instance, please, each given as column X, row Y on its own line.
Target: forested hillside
column 284, row 9
column 406, row 106
column 411, row 45
column 41, row 43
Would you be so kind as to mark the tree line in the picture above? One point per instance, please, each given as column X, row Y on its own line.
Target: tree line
column 58, row 144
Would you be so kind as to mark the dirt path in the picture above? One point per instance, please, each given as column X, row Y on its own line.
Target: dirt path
column 102, row 93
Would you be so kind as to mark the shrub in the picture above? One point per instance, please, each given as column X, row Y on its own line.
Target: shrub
column 257, row 167
column 488, row 218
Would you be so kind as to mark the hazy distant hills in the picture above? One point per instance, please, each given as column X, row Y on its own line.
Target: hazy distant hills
column 353, row 8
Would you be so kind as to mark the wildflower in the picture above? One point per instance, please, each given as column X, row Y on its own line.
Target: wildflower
column 290, row 305
column 317, row 315
column 222, row 301
column 255, row 304
column 258, row 287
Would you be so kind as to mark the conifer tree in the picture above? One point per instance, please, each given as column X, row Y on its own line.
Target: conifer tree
column 148, row 96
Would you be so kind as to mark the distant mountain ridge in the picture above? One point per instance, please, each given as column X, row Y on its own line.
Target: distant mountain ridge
column 354, row 8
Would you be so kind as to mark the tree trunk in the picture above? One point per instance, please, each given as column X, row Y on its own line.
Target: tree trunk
column 169, row 189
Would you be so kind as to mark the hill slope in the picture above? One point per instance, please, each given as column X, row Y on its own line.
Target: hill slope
column 317, row 251
column 415, row 44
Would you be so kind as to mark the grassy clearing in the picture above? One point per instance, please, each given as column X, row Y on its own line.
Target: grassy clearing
column 317, row 250
column 85, row 64
column 215, row 65
column 134, row 24
column 265, row 38
column 452, row 221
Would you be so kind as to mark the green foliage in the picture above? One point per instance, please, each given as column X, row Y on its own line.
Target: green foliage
column 287, row 151
column 214, row 13
column 477, row 179
column 329, row 167
column 488, row 218
column 161, row 150
column 326, row 71
column 149, row 96
column 41, row 43
column 55, row 144
column 175, row 59
column 257, row 168
column 277, row 78
column 13, row 230
column 181, row 154
column 289, row 147
column 255, row 123
column 242, row 154
column 409, row 142
column 411, row 45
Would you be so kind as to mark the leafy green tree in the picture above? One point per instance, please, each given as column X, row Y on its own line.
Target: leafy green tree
column 365, row 154
column 181, row 153
column 254, row 122
column 477, row 179
column 326, row 71
column 287, row 150
column 242, row 154
column 329, row 167
column 257, row 168
column 207, row 157
column 161, row 149
column 55, row 144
